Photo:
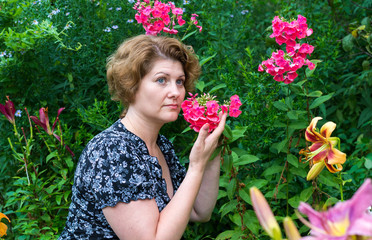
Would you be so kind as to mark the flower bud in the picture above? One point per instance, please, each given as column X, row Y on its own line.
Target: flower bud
column 291, row 229
column 264, row 214
column 315, row 170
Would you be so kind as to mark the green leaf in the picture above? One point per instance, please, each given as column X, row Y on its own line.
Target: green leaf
column 231, row 188
column 328, row 179
column 368, row 162
column 273, row 170
column 330, row 201
column 320, row 100
column 299, row 172
column 51, row 155
column 293, row 115
column 219, row 86
column 246, row 159
column 227, row 132
column 186, row 130
column 347, row 43
column 292, row 159
column 281, row 145
column 294, row 201
column 315, row 94
column 245, row 196
column 66, row 194
column 309, row 72
column 228, row 207
column 365, row 116
column 297, row 89
column 306, row 194
column 258, row 183
column 58, row 199
column 200, row 85
column 281, row 106
column 206, row 59
column 188, row 35
column 215, row 153
column 69, row 162
column 225, row 235
column 238, row 133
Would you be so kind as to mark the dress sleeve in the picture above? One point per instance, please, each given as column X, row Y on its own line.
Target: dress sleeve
column 120, row 175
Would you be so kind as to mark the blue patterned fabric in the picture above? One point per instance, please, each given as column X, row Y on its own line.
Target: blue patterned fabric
column 115, row 167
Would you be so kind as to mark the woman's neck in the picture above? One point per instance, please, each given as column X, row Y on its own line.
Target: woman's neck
column 145, row 129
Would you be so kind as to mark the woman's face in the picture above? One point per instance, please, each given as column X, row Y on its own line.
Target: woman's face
column 161, row 92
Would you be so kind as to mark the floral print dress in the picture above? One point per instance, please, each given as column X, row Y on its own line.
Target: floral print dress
column 116, row 167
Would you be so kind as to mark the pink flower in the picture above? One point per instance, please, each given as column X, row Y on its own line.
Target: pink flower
column 310, row 65
column 44, row 123
column 345, row 220
column 212, row 107
column 8, row 110
column 180, row 20
column 44, row 120
column 283, row 65
column 177, row 11
column 201, row 110
column 155, row 17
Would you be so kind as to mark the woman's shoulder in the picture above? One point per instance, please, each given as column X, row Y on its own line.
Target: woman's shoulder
column 112, row 145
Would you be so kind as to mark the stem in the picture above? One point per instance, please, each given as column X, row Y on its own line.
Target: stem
column 24, row 160
column 286, row 164
column 341, row 185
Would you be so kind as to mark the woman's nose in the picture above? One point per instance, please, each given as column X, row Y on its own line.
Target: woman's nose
column 174, row 90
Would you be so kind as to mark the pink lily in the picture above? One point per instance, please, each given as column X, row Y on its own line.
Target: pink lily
column 346, row 220
column 44, row 120
column 44, row 123
column 8, row 110
column 264, row 214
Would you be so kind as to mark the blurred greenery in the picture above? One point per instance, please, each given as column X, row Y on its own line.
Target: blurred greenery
column 53, row 54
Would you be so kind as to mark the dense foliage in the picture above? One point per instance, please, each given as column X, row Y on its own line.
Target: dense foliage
column 53, row 55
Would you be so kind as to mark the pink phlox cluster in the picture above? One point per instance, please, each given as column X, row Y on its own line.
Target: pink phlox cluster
column 201, row 110
column 235, row 104
column 285, row 32
column 284, row 65
column 195, row 21
column 157, row 16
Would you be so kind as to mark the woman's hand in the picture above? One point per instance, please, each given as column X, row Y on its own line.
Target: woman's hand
column 205, row 145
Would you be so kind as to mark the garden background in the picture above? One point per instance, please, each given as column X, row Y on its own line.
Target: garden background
column 53, row 54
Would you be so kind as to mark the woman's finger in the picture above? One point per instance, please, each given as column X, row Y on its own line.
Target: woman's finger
column 221, row 126
column 203, row 133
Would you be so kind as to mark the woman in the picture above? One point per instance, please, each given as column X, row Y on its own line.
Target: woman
column 129, row 183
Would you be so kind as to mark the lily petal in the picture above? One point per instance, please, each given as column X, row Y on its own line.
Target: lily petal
column 59, row 112
column 333, row 169
column 39, row 123
column 362, row 226
column 335, row 156
column 327, row 129
column 311, row 135
column 361, row 200
column 315, row 218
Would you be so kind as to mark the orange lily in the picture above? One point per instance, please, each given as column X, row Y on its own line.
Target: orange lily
column 3, row 227
column 322, row 151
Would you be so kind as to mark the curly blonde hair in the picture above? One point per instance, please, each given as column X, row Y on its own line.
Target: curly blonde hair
column 135, row 58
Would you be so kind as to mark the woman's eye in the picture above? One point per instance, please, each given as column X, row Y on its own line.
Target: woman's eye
column 180, row 82
column 161, row 80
